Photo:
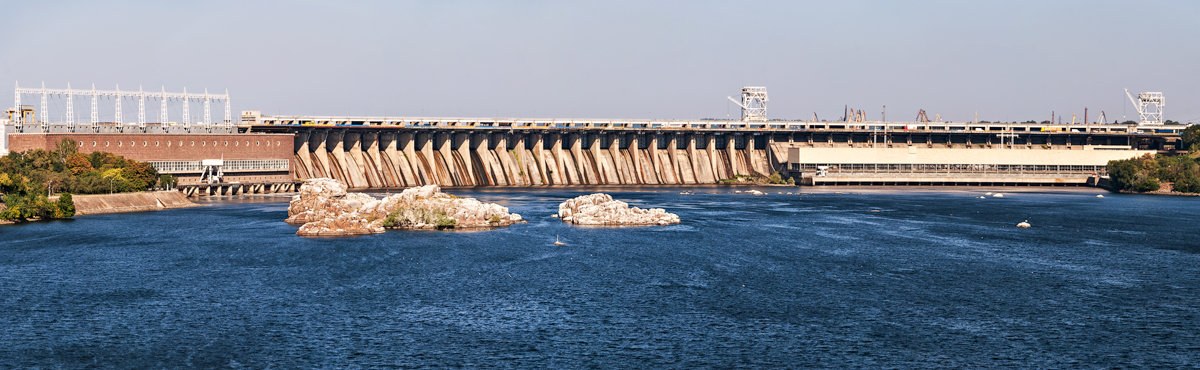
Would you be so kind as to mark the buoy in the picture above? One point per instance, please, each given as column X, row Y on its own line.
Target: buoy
column 1024, row 224
column 556, row 242
column 998, row 195
column 1099, row 195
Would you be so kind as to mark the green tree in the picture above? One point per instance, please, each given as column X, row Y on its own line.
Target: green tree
column 64, row 148
column 1191, row 138
column 167, row 181
column 66, row 206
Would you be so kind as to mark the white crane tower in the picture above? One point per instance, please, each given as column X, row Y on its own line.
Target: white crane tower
column 1149, row 105
column 754, row 103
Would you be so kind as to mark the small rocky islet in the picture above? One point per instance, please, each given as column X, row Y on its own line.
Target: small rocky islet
column 324, row 207
column 601, row 209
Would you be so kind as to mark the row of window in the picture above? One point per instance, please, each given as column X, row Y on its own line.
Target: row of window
column 229, row 165
column 133, row 143
column 929, row 167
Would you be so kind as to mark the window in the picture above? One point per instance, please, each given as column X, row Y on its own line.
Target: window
column 144, row 143
column 193, row 143
column 105, row 143
column 226, row 143
column 156, row 143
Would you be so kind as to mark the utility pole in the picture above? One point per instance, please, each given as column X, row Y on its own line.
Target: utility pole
column 884, row 116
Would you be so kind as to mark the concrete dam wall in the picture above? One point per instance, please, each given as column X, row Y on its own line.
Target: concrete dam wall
column 402, row 158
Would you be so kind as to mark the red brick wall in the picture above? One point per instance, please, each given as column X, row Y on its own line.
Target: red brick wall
column 167, row 147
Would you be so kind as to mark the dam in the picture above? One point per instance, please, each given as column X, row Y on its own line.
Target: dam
column 271, row 153
column 380, row 152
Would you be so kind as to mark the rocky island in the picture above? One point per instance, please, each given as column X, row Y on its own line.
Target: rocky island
column 602, row 210
column 325, row 208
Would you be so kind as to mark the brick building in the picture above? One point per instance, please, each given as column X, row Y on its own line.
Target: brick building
column 247, row 158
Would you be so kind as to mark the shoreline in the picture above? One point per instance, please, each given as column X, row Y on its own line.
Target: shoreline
column 98, row 204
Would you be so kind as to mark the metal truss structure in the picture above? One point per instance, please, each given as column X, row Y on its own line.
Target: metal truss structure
column 1149, row 105
column 754, row 103
column 118, row 97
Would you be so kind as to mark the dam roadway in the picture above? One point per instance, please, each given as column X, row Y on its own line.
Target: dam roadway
column 376, row 152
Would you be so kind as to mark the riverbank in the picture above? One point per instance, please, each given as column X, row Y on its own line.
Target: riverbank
column 94, row 204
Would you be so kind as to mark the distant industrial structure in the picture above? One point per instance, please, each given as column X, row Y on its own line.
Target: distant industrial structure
column 205, row 154
column 25, row 120
column 392, row 152
column 1149, row 106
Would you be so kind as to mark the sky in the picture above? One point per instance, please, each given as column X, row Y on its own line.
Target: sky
column 1002, row 60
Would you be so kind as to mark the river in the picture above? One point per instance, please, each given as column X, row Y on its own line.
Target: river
column 842, row 277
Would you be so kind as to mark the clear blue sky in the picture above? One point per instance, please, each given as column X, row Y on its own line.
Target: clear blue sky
column 1008, row 60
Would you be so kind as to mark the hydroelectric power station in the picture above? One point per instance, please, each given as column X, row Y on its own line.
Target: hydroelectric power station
column 391, row 152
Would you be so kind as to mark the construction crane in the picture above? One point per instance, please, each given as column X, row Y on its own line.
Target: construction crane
column 754, row 103
column 1149, row 106
column 921, row 117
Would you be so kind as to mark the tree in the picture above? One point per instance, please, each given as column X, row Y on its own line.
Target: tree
column 78, row 164
column 167, row 181
column 64, row 148
column 1191, row 138
column 66, row 206
column 141, row 174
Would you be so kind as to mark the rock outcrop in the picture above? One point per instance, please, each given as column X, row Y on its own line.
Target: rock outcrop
column 602, row 210
column 324, row 208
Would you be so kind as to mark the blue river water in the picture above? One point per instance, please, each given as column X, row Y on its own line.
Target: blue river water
column 845, row 277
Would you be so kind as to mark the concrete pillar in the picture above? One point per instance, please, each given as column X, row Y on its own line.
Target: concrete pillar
column 414, row 173
column 673, row 160
column 714, row 163
column 731, row 154
column 302, row 160
column 599, row 164
column 444, row 144
column 558, row 173
column 583, row 172
column 466, row 170
column 539, row 159
column 639, row 173
column 656, row 174
column 524, row 173
column 620, row 167
column 693, row 160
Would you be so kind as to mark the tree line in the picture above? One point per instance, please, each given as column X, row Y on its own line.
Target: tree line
column 28, row 178
column 1149, row 173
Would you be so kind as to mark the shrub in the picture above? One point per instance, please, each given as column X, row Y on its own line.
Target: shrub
column 775, row 178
